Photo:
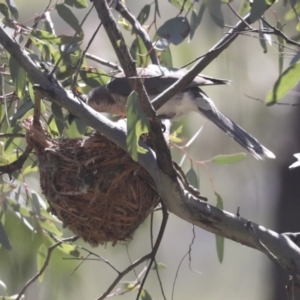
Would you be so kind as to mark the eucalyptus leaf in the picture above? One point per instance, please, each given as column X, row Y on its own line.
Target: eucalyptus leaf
column 192, row 177
column 50, row 227
column 228, row 159
column 175, row 30
column 4, row 10
column 258, row 8
column 289, row 78
column 220, row 241
column 68, row 16
column 215, row 11
column 77, row 3
column 144, row 14
column 137, row 124
column 4, row 241
column 13, row 8
column 18, row 76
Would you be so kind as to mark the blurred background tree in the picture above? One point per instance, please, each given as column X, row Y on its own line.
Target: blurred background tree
column 265, row 192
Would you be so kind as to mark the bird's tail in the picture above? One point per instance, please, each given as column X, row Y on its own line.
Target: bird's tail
column 239, row 134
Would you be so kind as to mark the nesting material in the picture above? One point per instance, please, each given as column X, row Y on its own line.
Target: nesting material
column 92, row 186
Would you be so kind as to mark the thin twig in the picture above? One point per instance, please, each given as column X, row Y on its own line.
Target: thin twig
column 103, row 62
column 84, row 52
column 70, row 44
column 138, row 29
column 212, row 54
column 156, row 246
column 275, row 31
column 155, row 263
column 9, row 135
column 43, row 268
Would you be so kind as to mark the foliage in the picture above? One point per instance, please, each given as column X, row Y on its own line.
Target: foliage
column 64, row 56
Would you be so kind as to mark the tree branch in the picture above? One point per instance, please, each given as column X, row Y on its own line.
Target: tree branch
column 173, row 194
column 138, row 29
column 16, row 165
column 212, row 54
column 116, row 38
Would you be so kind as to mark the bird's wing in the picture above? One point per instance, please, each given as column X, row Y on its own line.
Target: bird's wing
column 157, row 79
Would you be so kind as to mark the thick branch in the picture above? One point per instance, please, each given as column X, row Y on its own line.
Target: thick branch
column 128, row 65
column 172, row 193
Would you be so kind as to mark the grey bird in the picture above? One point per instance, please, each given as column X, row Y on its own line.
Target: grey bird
column 112, row 98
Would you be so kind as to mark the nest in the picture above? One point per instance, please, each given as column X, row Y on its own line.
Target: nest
column 92, row 186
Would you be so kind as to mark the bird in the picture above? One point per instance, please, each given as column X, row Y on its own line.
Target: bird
column 112, row 97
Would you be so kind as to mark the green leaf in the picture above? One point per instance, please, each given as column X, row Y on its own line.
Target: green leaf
column 22, row 110
column 183, row 5
column 70, row 250
column 215, row 11
column 292, row 13
column 157, row 8
column 13, row 8
column 12, row 143
column 284, row 84
column 17, row 207
column 144, row 14
column 139, row 52
column 244, row 8
column 192, row 177
column 29, row 169
column 4, row 241
column 219, row 201
column 262, row 39
column 258, row 8
column 36, row 204
column 137, row 124
column 76, row 3
column 18, row 76
column 57, row 111
column 52, row 39
column 129, row 286
column 3, row 160
column 220, row 247
column 145, row 295
column 4, row 10
column 49, row 226
column 196, row 19
column 228, row 159
column 48, row 216
column 93, row 77
column 159, row 266
column 280, row 48
column 41, row 258
column 81, row 126
column 72, row 131
column 165, row 57
column 174, row 30
column 219, row 239
column 67, row 15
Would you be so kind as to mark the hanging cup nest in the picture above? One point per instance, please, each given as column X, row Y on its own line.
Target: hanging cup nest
column 92, row 186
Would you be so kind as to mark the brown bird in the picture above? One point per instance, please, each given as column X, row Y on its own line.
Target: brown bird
column 112, row 98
